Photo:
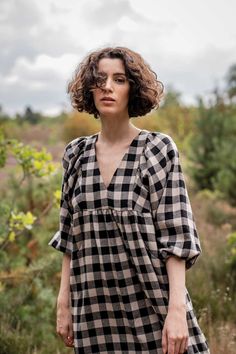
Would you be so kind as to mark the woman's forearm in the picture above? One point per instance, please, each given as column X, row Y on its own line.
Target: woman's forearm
column 63, row 296
column 64, row 317
column 176, row 274
column 175, row 331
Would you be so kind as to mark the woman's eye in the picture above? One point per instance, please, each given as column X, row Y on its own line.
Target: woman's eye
column 120, row 80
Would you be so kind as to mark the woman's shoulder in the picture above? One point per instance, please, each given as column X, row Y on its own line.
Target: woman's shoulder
column 160, row 143
column 75, row 146
column 73, row 150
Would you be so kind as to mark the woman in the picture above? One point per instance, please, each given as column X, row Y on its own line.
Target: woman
column 126, row 225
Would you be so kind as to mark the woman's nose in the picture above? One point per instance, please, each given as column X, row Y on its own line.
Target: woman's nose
column 108, row 84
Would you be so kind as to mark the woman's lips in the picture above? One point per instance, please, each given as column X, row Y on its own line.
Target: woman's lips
column 108, row 101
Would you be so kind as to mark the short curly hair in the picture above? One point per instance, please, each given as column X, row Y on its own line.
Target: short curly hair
column 145, row 90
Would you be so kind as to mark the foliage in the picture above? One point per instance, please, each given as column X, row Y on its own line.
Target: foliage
column 34, row 164
column 231, row 82
column 232, row 253
column 3, row 116
column 215, row 208
column 176, row 119
column 214, row 164
column 212, row 289
column 19, row 222
column 79, row 124
column 212, row 145
column 25, row 276
column 29, row 116
column 29, row 308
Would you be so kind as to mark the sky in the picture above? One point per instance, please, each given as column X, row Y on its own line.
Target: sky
column 189, row 44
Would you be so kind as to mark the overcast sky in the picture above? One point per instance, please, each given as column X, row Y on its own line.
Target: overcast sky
column 190, row 44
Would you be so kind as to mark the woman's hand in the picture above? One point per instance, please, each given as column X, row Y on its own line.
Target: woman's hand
column 64, row 325
column 175, row 332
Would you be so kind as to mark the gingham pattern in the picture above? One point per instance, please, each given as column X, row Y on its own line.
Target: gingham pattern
column 119, row 238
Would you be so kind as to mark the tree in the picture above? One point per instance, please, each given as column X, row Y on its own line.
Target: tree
column 231, row 83
column 3, row 116
column 30, row 116
column 34, row 164
column 212, row 148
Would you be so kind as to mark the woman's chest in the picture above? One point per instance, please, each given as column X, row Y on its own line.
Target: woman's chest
column 117, row 184
column 108, row 163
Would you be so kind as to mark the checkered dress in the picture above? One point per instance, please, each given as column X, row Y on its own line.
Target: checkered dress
column 119, row 238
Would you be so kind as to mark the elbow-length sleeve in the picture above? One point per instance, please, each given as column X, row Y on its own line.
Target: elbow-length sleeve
column 62, row 239
column 176, row 231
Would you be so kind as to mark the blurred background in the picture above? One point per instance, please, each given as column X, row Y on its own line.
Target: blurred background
column 192, row 48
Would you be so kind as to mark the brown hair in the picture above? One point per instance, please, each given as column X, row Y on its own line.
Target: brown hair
column 145, row 90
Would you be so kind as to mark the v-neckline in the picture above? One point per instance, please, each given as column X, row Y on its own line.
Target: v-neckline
column 106, row 188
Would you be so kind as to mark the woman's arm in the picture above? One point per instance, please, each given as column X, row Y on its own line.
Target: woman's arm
column 64, row 291
column 64, row 317
column 175, row 331
column 176, row 274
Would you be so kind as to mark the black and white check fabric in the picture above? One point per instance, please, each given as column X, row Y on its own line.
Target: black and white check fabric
column 119, row 238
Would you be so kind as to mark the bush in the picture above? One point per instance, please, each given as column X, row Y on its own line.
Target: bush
column 214, row 163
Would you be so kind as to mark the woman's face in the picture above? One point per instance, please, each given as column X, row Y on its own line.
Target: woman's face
column 113, row 97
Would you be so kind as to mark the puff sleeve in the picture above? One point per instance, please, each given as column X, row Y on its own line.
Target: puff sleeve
column 62, row 239
column 176, row 232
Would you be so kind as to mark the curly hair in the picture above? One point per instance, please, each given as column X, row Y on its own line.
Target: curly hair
column 145, row 90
